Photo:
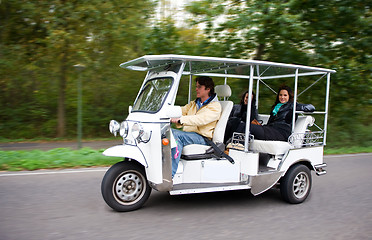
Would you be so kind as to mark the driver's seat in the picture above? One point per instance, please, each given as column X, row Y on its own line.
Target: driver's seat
column 197, row 151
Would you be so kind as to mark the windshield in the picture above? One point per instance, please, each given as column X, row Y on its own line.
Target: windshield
column 153, row 95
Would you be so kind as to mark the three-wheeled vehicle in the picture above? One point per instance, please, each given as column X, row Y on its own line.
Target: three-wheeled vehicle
column 252, row 164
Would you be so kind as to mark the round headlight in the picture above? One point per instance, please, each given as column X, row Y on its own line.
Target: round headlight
column 137, row 131
column 114, row 127
column 124, row 129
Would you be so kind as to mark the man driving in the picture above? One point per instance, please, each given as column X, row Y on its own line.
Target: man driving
column 199, row 119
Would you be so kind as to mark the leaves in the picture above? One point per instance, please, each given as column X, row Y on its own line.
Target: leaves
column 331, row 34
column 42, row 40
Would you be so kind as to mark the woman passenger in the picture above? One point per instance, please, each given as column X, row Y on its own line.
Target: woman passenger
column 279, row 125
column 238, row 116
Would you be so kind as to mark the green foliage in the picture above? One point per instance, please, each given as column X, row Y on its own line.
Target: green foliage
column 55, row 158
column 331, row 34
column 42, row 40
column 347, row 150
column 166, row 38
column 40, row 43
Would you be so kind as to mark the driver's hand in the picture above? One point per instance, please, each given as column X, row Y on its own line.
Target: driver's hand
column 175, row 120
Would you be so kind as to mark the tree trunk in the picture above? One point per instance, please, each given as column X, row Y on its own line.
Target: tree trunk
column 61, row 128
column 259, row 51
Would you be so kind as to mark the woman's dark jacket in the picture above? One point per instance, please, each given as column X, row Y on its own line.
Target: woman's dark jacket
column 282, row 121
column 237, row 119
column 240, row 111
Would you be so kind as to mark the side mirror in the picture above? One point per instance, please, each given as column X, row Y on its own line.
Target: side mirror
column 130, row 109
column 174, row 112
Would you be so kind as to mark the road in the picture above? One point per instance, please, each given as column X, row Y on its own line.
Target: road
column 67, row 204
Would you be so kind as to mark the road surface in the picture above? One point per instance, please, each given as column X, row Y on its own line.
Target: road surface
column 67, row 204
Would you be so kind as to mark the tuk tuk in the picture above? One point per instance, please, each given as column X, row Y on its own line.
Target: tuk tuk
column 145, row 154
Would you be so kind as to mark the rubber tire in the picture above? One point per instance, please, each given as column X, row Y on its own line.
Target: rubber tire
column 297, row 173
column 113, row 180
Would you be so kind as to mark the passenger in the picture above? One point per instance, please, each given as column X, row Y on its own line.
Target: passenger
column 238, row 116
column 279, row 125
column 199, row 119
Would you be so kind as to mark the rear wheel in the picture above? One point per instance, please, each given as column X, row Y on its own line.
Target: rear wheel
column 124, row 186
column 296, row 184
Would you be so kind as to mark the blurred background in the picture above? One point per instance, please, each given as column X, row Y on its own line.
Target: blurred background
column 42, row 41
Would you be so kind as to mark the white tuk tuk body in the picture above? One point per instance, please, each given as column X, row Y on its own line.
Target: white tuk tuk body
column 258, row 165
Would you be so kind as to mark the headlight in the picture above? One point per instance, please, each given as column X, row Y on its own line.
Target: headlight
column 114, row 127
column 137, row 131
column 124, row 129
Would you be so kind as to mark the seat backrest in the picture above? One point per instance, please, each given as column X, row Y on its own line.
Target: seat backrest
column 301, row 125
column 264, row 118
column 222, row 91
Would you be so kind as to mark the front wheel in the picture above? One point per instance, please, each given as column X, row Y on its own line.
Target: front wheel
column 296, row 184
column 124, row 186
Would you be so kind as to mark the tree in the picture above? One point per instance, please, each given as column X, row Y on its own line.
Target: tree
column 331, row 34
column 42, row 40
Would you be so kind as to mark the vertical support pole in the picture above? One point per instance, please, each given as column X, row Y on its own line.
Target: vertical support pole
column 190, row 83
column 225, row 82
column 190, row 89
column 326, row 108
column 295, row 100
column 79, row 112
column 79, row 68
column 249, row 106
column 257, row 86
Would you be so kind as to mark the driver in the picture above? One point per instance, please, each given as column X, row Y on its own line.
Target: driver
column 199, row 119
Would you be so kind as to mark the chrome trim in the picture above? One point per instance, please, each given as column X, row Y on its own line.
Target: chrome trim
column 319, row 169
column 262, row 182
column 205, row 188
column 167, row 183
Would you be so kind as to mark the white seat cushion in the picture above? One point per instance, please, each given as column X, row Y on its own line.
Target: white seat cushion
column 280, row 147
column 194, row 149
column 270, row 147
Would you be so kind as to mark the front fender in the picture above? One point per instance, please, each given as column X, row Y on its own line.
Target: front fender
column 126, row 151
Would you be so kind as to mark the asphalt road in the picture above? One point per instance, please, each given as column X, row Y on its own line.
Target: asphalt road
column 68, row 205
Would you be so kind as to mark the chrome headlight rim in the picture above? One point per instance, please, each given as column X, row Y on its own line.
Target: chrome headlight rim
column 124, row 129
column 114, row 127
column 137, row 131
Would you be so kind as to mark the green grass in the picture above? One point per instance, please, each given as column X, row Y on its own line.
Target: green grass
column 347, row 150
column 87, row 157
column 55, row 158
column 41, row 139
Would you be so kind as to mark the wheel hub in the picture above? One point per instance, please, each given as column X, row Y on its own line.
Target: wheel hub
column 128, row 187
column 300, row 185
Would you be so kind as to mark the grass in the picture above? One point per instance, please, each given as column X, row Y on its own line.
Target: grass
column 348, row 150
column 55, row 158
column 41, row 139
column 86, row 157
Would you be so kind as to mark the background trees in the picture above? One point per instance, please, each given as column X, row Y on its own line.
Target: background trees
column 331, row 34
column 42, row 40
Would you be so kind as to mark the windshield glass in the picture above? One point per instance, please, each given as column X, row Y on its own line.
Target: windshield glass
column 153, row 95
